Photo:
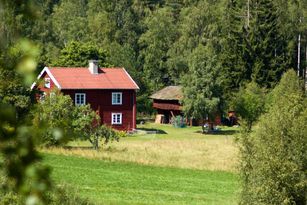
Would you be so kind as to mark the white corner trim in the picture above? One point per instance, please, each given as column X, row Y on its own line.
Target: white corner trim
column 46, row 69
column 131, row 79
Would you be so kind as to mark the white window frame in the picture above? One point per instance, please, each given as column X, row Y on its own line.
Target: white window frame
column 47, row 83
column 84, row 97
column 114, row 98
column 42, row 97
column 116, row 120
column 52, row 94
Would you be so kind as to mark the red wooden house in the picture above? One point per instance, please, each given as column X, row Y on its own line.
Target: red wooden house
column 109, row 91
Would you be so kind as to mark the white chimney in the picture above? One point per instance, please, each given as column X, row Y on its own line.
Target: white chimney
column 93, row 66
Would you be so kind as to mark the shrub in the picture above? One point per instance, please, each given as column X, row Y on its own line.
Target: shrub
column 55, row 114
column 249, row 103
column 86, row 123
column 274, row 157
column 178, row 121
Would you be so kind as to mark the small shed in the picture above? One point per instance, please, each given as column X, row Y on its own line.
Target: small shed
column 167, row 103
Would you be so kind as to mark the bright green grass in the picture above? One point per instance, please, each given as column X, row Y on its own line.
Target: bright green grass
column 171, row 132
column 127, row 183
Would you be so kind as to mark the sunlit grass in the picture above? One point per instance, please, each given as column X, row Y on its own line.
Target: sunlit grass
column 177, row 147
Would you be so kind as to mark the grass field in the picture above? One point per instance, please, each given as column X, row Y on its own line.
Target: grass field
column 166, row 146
column 128, row 183
column 168, row 166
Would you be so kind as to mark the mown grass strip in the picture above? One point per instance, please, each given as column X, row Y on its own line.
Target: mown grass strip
column 127, row 183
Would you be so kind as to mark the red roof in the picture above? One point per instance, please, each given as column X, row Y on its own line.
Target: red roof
column 81, row 78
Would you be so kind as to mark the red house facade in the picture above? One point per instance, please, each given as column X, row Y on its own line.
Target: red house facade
column 109, row 91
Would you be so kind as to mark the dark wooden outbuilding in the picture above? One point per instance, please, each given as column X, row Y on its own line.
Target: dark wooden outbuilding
column 167, row 103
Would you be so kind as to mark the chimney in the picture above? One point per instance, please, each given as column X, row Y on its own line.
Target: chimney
column 93, row 66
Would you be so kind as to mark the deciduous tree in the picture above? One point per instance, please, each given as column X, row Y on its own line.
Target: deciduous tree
column 201, row 85
column 274, row 156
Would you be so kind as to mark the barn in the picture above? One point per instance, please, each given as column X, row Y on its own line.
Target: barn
column 167, row 103
column 109, row 91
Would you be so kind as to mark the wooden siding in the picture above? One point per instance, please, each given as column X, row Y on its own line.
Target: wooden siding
column 101, row 101
column 167, row 104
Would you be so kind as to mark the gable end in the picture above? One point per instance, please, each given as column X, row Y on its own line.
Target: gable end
column 46, row 69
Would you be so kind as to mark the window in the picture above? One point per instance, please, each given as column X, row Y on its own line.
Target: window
column 52, row 95
column 42, row 96
column 116, row 118
column 117, row 98
column 80, row 99
column 47, row 83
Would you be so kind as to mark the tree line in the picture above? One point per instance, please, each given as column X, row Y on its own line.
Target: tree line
column 168, row 42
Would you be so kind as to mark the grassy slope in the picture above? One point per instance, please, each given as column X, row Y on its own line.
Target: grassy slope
column 129, row 183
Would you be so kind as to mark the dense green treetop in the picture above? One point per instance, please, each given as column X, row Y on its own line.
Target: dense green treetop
column 201, row 85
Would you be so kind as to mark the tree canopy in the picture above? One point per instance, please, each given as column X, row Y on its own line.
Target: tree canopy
column 253, row 40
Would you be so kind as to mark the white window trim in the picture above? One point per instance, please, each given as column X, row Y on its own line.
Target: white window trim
column 120, row 118
column 49, row 84
column 81, row 94
column 121, row 98
column 42, row 97
column 46, row 69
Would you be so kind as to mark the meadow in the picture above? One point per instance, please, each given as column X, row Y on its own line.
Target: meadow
column 158, row 165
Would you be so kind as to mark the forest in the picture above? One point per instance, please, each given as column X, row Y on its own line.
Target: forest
column 168, row 42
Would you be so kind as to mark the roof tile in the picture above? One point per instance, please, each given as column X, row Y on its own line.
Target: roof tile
column 81, row 78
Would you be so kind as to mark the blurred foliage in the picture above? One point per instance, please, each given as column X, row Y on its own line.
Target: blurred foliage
column 23, row 177
column 13, row 91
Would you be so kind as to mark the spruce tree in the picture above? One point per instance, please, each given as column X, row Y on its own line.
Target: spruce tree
column 265, row 47
column 232, row 56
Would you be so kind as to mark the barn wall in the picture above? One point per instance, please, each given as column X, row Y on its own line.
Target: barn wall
column 167, row 104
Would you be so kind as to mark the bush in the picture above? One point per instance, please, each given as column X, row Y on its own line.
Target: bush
column 55, row 114
column 178, row 121
column 274, row 157
column 86, row 123
column 63, row 122
column 249, row 103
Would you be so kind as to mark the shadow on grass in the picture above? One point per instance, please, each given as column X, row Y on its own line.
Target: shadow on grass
column 220, row 132
column 152, row 131
column 78, row 147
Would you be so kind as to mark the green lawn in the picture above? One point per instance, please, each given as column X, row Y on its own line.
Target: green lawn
column 107, row 182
